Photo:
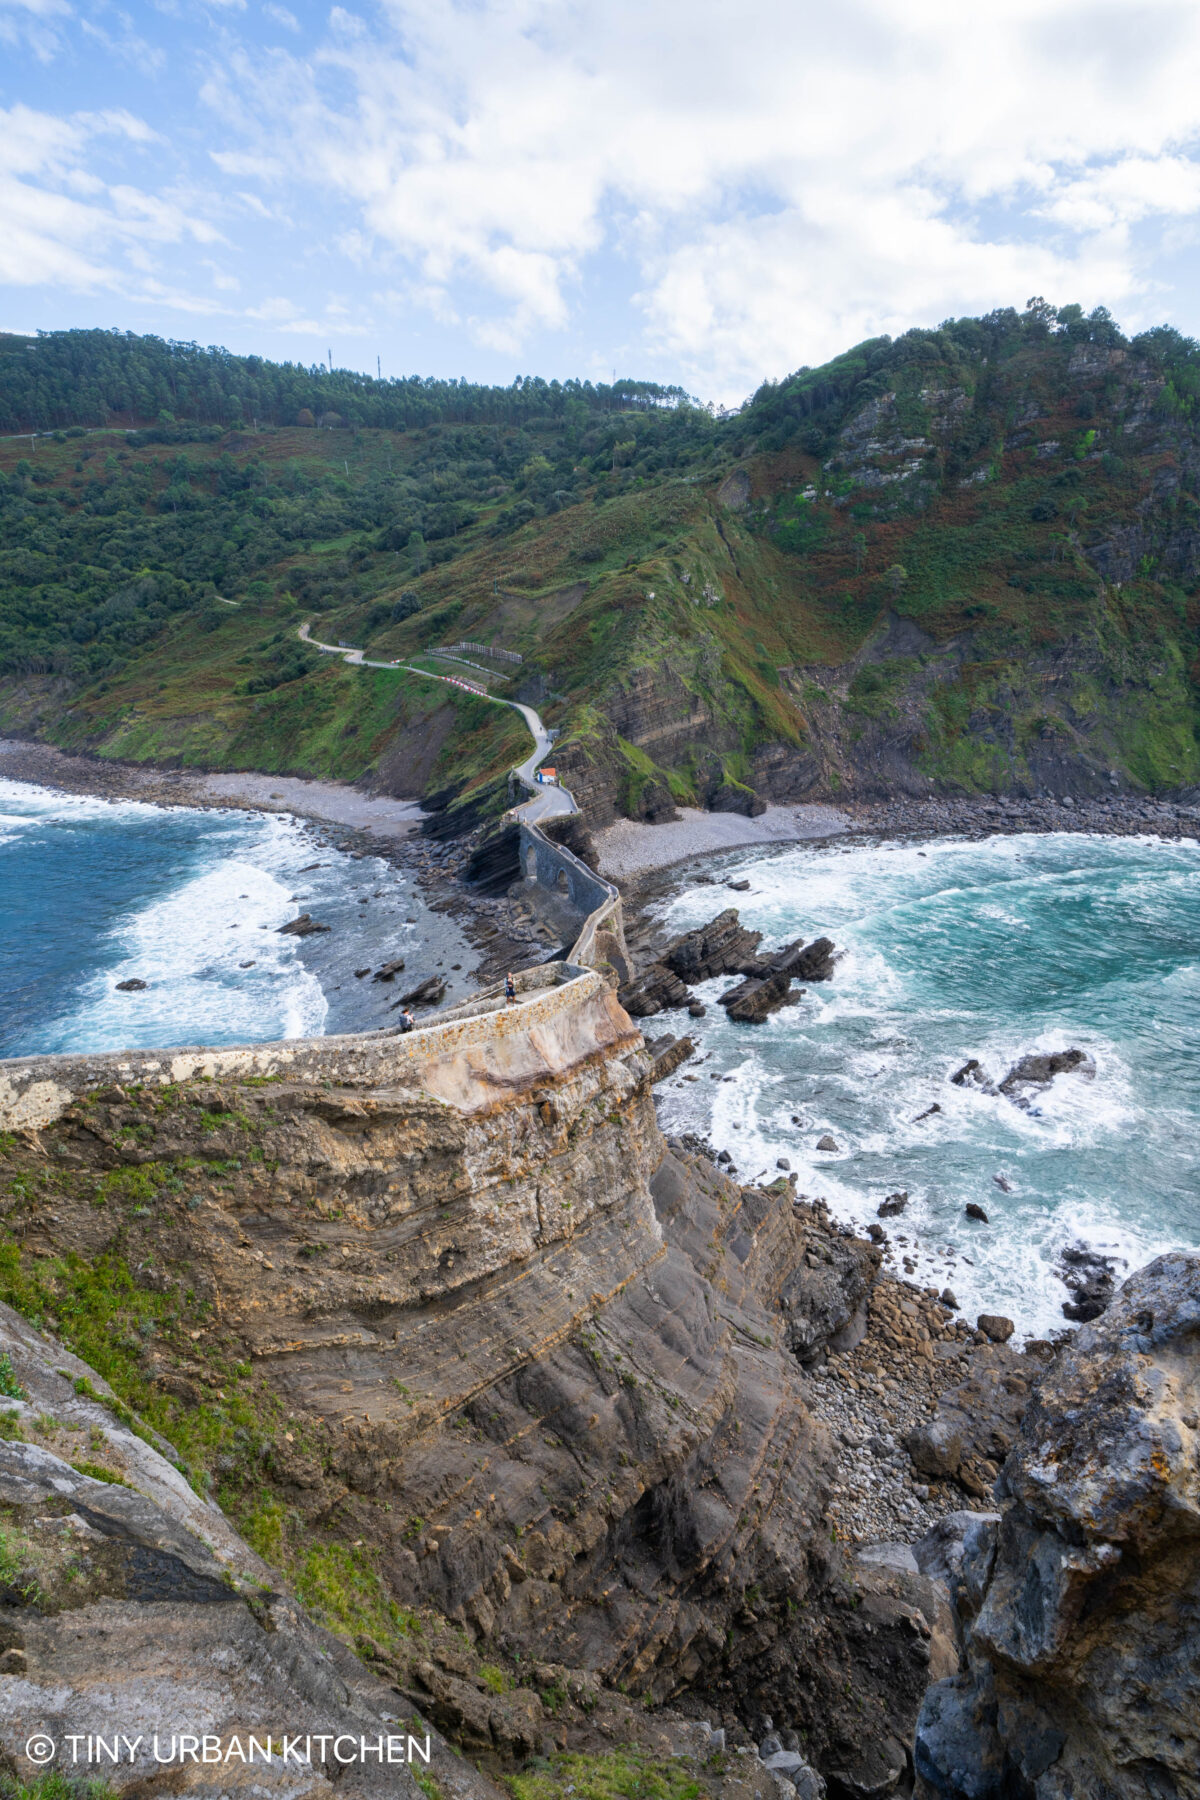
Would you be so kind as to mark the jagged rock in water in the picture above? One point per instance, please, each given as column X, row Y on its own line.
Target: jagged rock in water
column 971, row 1075
column 304, row 926
column 753, row 1001
column 1091, row 1278
column 807, row 962
column 722, row 947
column 1038, row 1070
column 892, row 1207
column 668, row 1053
column 430, row 992
column 1079, row 1608
column 388, row 971
column 134, row 985
column 655, row 990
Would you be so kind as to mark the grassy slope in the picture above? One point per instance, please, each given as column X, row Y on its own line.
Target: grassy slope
column 645, row 583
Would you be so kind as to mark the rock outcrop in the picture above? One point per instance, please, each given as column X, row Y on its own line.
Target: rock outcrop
column 1080, row 1607
column 129, row 1604
column 450, row 1298
column 726, row 947
column 752, row 1001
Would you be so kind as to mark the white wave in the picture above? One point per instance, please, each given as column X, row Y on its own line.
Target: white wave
column 189, row 946
column 929, row 977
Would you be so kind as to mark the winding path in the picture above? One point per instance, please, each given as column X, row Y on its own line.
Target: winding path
column 547, row 802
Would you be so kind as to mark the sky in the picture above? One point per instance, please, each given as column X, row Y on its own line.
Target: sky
column 694, row 191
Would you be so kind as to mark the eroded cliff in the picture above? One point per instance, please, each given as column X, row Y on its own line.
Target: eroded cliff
column 449, row 1305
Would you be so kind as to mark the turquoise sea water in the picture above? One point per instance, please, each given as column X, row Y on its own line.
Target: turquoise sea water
column 94, row 892
column 991, row 950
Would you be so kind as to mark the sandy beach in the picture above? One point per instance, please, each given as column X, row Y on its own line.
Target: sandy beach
column 332, row 802
column 628, row 848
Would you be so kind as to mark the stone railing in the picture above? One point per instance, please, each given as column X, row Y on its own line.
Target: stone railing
column 469, row 1056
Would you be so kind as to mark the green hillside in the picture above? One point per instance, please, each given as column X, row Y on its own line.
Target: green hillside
column 963, row 559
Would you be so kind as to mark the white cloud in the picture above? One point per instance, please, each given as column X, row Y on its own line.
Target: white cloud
column 34, row 25
column 781, row 176
column 282, row 16
column 60, row 223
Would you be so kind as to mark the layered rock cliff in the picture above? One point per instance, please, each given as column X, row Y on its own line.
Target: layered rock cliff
column 449, row 1302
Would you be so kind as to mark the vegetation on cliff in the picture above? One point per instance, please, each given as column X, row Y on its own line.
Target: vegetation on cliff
column 966, row 557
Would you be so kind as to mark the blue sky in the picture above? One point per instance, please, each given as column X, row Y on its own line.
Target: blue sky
column 683, row 189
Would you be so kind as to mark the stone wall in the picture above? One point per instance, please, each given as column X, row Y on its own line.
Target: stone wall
column 553, row 866
column 466, row 1061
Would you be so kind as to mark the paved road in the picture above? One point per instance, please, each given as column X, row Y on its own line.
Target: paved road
column 547, row 802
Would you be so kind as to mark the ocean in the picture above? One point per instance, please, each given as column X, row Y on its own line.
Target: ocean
column 953, row 950
column 95, row 892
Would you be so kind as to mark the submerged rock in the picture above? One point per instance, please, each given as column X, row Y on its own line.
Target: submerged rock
column 1091, row 1278
column 1039, row 1069
column 304, row 926
column 1078, row 1608
column 430, row 992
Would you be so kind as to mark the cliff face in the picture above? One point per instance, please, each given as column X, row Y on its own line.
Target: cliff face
column 1081, row 1607
column 508, row 1347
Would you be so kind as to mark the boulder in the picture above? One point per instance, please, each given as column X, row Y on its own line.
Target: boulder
column 429, row 992
column 973, row 1210
column 1091, row 1279
column 892, row 1207
column 936, row 1448
column 1038, row 1070
column 803, row 1777
column 995, row 1326
column 1078, row 1608
column 827, row 1143
column 939, row 1554
column 976, row 1422
column 134, row 985
column 304, row 926
column 750, row 1002
column 668, row 1053
column 389, row 970
column 656, row 990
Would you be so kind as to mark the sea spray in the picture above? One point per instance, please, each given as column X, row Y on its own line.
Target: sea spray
column 987, row 949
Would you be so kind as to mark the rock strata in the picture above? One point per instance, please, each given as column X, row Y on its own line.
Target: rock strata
column 1079, row 1608
column 753, row 1001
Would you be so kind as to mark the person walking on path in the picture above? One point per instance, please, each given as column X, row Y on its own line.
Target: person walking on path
column 407, row 1022
column 510, row 987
